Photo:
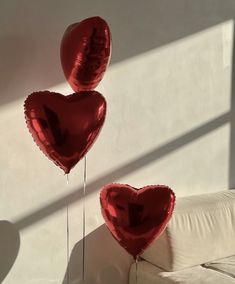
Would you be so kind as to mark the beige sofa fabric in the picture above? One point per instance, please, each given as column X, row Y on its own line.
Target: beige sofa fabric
column 150, row 274
column 226, row 265
column 201, row 230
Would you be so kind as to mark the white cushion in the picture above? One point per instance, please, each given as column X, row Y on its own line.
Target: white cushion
column 225, row 265
column 202, row 229
column 150, row 274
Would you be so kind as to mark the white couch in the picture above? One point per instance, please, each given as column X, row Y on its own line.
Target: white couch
column 198, row 245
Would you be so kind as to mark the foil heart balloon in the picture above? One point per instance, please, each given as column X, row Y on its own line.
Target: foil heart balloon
column 85, row 53
column 65, row 127
column 136, row 217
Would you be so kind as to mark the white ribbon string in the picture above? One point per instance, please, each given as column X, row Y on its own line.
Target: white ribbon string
column 68, row 236
column 84, row 222
column 83, row 231
column 136, row 270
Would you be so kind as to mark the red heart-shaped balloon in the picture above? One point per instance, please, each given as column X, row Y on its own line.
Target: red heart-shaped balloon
column 135, row 217
column 65, row 127
column 85, row 53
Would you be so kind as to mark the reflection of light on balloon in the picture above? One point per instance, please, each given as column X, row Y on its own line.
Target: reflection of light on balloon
column 112, row 212
column 100, row 112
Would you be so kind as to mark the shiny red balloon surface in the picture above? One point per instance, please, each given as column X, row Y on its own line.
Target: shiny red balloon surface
column 135, row 217
column 85, row 53
column 65, row 127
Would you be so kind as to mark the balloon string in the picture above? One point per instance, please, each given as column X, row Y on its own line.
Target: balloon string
column 136, row 270
column 84, row 221
column 68, row 237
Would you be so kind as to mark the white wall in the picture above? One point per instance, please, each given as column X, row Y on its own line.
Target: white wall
column 169, row 121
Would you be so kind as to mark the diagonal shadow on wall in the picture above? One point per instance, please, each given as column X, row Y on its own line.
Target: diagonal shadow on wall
column 182, row 19
column 30, row 57
column 124, row 170
column 12, row 236
column 101, row 233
